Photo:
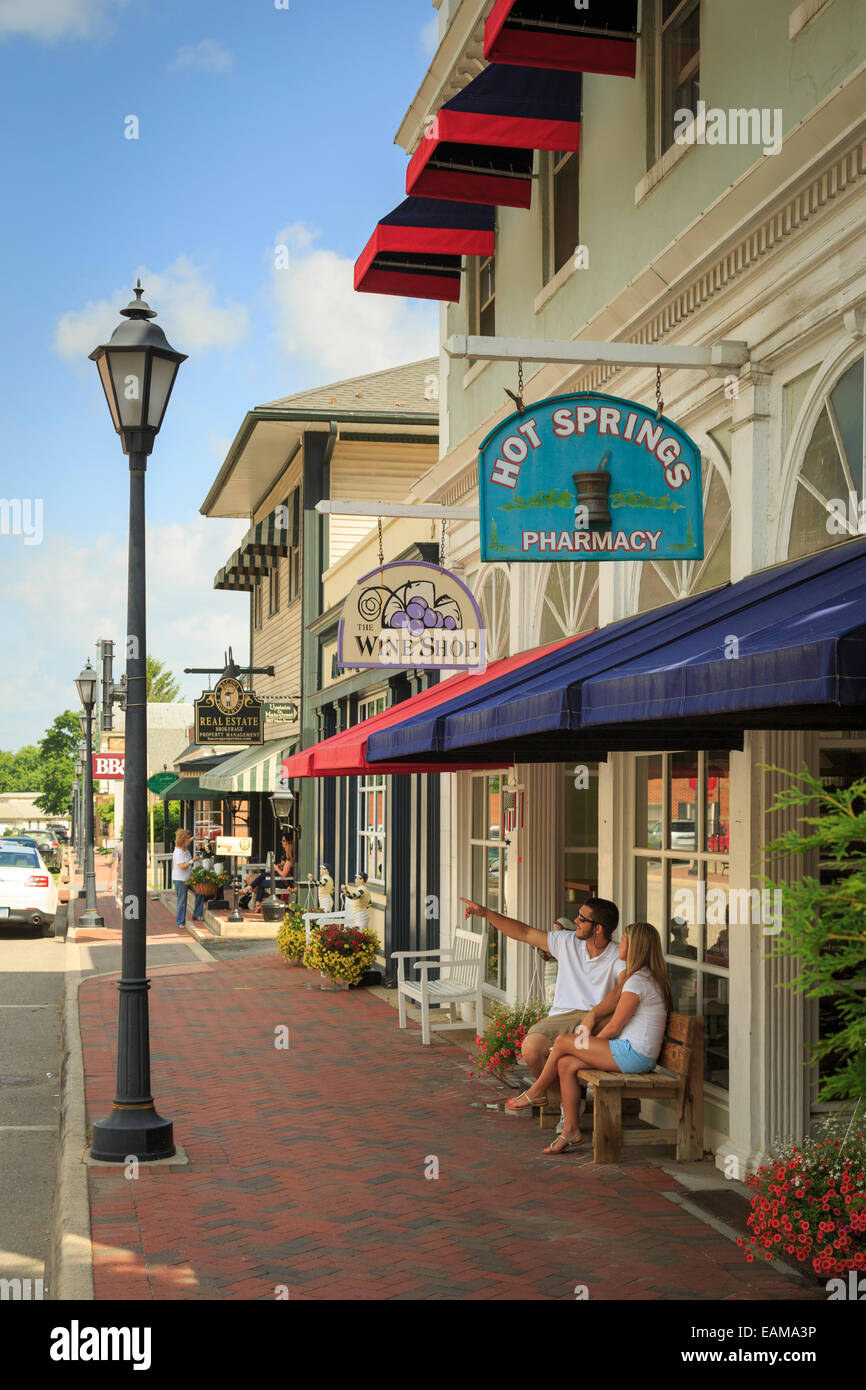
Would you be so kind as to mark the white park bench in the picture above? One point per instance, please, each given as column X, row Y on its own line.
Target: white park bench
column 461, row 979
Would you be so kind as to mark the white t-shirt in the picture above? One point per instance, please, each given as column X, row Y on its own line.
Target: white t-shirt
column 582, row 980
column 645, row 1029
column 181, row 864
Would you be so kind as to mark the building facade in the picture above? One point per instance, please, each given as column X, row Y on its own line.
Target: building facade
column 751, row 230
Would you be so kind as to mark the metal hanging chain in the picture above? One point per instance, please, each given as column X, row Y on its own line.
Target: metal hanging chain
column 518, row 397
column 381, row 548
column 442, row 546
column 660, row 405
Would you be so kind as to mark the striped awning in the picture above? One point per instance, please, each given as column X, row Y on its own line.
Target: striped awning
column 227, row 578
column 270, row 537
column 254, row 770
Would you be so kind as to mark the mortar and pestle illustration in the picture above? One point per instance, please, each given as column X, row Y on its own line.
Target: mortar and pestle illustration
column 592, row 489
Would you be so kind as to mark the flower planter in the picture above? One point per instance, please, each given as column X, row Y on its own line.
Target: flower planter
column 332, row 984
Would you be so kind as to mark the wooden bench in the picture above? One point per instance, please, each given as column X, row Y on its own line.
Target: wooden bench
column 682, row 1057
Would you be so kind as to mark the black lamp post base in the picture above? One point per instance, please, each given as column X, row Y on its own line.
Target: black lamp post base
column 273, row 910
column 133, row 1133
column 90, row 919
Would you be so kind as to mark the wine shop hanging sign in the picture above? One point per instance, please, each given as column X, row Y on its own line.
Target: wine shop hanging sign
column 590, row 477
column 411, row 615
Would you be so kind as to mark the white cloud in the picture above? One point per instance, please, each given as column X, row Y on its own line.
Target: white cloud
column 430, row 36
column 208, row 55
column 57, row 19
column 189, row 623
column 184, row 301
column 332, row 330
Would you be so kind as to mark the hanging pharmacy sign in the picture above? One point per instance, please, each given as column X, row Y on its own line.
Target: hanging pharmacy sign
column 411, row 615
column 590, row 477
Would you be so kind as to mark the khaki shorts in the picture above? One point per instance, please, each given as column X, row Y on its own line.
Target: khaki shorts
column 555, row 1025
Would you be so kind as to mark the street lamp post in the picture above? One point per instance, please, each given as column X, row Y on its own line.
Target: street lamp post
column 137, row 368
column 79, row 832
column 86, row 684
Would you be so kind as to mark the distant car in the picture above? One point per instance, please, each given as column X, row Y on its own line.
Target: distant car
column 47, row 844
column 61, row 832
column 28, row 893
column 684, row 834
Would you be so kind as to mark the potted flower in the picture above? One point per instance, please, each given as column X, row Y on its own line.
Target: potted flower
column 809, row 1203
column 207, row 882
column 500, row 1046
column 292, row 936
column 342, row 955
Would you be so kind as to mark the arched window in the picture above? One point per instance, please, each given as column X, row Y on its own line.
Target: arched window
column 569, row 600
column 666, row 580
column 830, row 481
column 494, row 600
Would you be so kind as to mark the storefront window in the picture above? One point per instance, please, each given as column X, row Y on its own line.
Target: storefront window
column 830, row 484
column 841, row 765
column 489, row 861
column 569, row 601
column 580, row 879
column 371, row 827
column 682, row 884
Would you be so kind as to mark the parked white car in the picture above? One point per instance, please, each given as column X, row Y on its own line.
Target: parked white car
column 28, row 892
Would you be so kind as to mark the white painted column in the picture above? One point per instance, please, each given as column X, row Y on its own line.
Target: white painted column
column 538, row 849
column 769, row 1085
column 750, row 473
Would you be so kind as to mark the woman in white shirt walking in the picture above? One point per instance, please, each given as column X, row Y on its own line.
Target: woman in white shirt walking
column 181, row 868
column 637, row 1008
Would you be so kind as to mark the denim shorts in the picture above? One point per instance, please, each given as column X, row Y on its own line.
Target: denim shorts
column 627, row 1058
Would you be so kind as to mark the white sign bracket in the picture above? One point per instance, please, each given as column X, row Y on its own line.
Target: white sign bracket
column 719, row 358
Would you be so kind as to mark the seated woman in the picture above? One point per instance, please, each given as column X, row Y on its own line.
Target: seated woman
column 630, row 1042
column 283, row 869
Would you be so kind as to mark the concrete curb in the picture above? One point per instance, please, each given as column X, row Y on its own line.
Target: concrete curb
column 680, row 1200
column 71, row 1273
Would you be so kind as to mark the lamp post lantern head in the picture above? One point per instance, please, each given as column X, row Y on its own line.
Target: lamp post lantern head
column 281, row 805
column 137, row 368
column 86, row 684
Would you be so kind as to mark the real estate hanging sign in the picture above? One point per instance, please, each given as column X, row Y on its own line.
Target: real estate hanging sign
column 590, row 477
column 228, row 714
column 411, row 614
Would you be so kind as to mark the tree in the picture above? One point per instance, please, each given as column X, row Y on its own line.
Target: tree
column 162, row 688
column 57, row 750
column 21, row 771
column 825, row 923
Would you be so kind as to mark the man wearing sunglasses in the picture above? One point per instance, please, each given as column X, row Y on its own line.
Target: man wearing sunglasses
column 589, row 965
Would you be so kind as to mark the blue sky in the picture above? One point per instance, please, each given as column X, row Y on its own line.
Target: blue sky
column 257, row 127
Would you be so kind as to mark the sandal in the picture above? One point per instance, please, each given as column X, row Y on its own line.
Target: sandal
column 565, row 1145
column 527, row 1099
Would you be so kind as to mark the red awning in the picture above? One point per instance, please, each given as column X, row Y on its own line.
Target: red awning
column 554, row 34
column 416, row 250
column 344, row 754
column 479, row 147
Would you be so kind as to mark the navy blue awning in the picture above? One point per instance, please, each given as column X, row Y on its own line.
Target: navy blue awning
column 802, row 645
column 663, row 678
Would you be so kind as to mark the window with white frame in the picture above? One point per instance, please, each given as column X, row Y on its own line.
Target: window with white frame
column 830, row 502
column 681, row 865
column 563, row 204
column 494, row 600
column 569, row 600
column 489, row 862
column 371, row 807
column 662, row 581
column 678, row 66
column 274, row 589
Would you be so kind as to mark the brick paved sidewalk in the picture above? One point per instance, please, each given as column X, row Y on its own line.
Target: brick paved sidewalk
column 307, row 1166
